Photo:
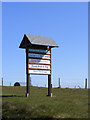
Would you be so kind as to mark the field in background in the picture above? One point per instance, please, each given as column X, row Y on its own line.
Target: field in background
column 65, row 103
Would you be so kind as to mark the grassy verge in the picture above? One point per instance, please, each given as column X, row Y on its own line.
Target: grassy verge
column 66, row 103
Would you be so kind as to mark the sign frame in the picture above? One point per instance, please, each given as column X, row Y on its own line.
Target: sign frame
column 42, row 61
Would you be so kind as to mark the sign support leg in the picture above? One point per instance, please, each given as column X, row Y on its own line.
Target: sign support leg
column 28, row 87
column 49, row 85
column 27, row 76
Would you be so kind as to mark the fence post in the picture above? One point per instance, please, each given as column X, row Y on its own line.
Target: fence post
column 59, row 83
column 2, row 81
column 86, row 83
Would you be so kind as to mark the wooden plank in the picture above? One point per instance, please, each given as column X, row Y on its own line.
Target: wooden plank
column 39, row 58
column 39, row 74
column 37, row 47
column 40, row 53
column 39, row 50
column 39, row 71
column 39, row 66
column 38, row 63
column 32, row 55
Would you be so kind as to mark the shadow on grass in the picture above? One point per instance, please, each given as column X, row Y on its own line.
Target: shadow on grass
column 48, row 118
column 11, row 96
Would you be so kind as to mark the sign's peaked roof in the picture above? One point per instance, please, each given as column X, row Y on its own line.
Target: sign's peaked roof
column 37, row 40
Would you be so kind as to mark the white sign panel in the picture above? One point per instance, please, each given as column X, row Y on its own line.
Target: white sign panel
column 39, row 71
column 39, row 50
column 38, row 55
column 39, row 66
column 39, row 61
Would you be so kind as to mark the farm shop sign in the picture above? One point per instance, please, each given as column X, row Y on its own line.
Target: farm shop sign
column 38, row 55
column 39, row 61
column 39, row 50
column 39, row 72
column 39, row 66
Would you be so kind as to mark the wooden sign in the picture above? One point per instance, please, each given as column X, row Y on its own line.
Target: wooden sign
column 39, row 66
column 38, row 55
column 39, row 61
column 38, row 58
column 39, row 72
column 39, row 50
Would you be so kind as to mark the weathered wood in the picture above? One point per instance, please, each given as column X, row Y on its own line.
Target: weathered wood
column 39, row 66
column 37, row 47
column 38, row 63
column 86, row 83
column 39, row 53
column 28, row 87
column 27, row 76
column 39, row 50
column 49, row 85
column 49, row 79
column 39, row 58
column 38, row 69
column 39, row 72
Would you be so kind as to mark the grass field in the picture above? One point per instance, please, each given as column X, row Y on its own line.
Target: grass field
column 66, row 103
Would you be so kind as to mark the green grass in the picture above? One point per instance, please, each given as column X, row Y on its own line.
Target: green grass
column 66, row 103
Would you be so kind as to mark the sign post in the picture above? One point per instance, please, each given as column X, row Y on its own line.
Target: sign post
column 27, row 76
column 38, row 58
column 49, row 85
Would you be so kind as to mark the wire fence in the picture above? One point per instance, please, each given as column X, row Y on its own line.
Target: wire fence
column 44, row 83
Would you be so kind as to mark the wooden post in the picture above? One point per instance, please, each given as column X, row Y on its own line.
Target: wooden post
column 49, row 85
column 2, row 81
column 59, row 83
column 86, row 83
column 27, row 76
column 49, row 77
